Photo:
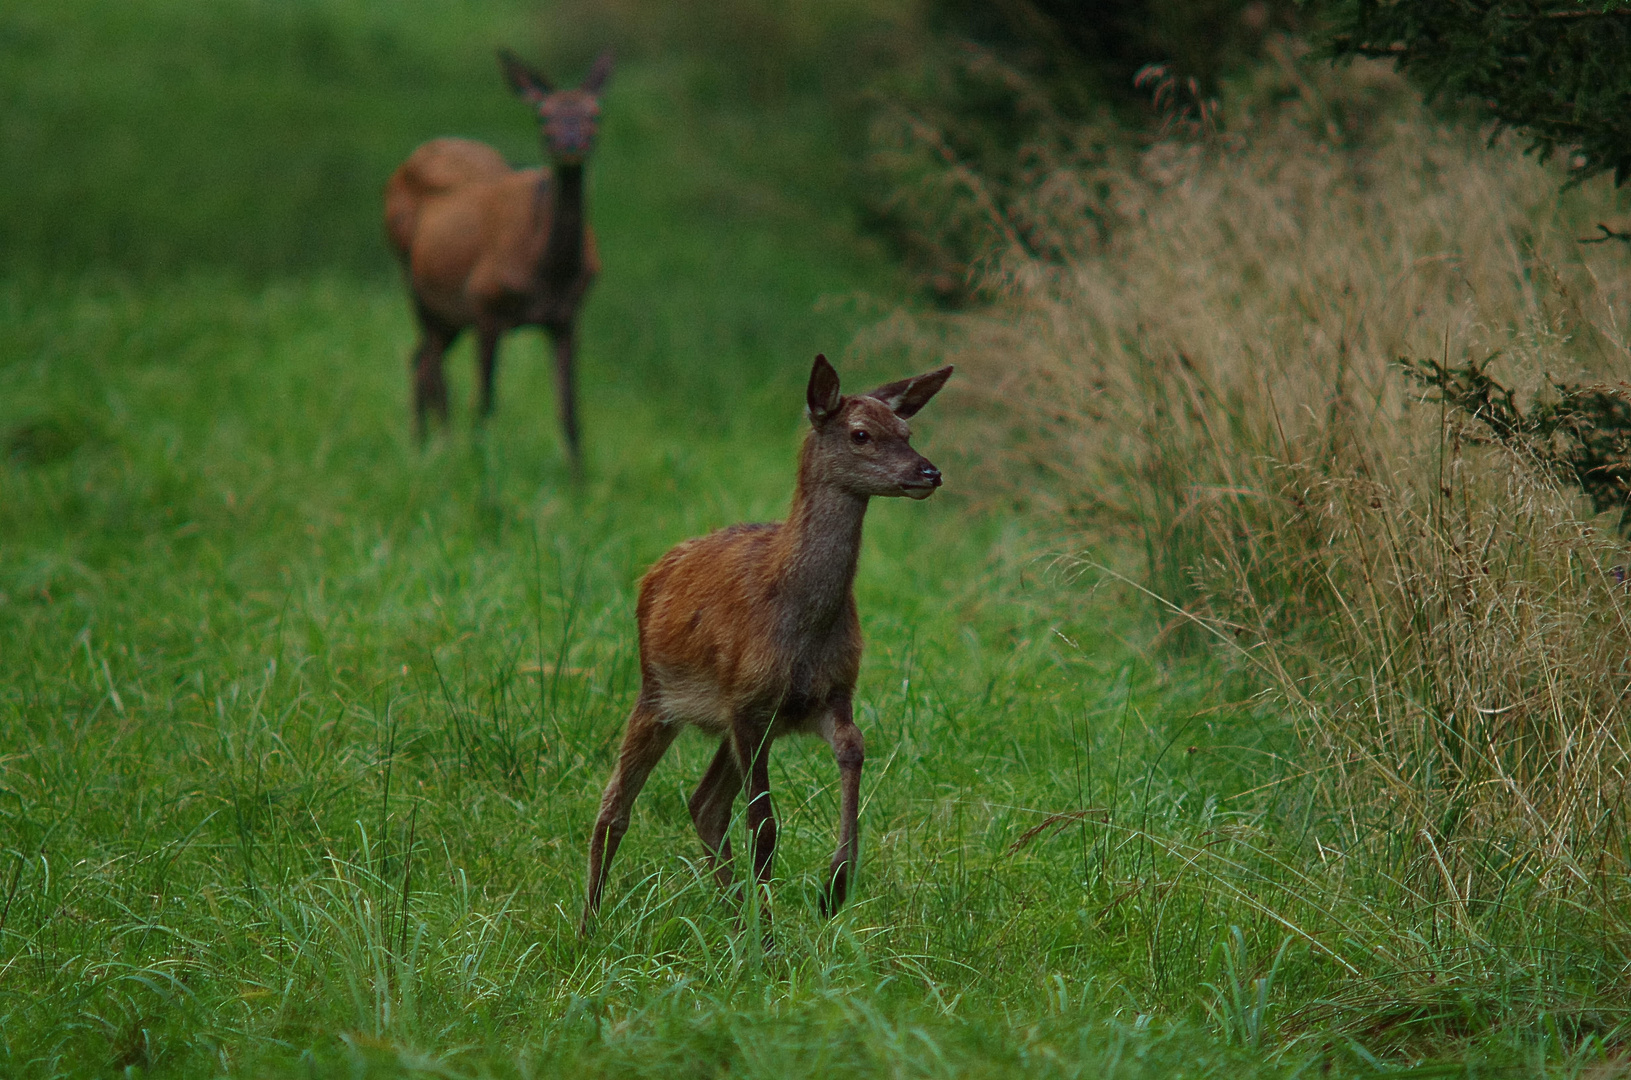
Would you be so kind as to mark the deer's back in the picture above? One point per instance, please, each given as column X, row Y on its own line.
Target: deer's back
column 714, row 635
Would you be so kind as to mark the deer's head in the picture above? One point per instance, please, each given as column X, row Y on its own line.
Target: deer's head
column 567, row 119
column 861, row 443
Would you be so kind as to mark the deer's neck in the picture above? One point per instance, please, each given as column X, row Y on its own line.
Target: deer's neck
column 560, row 212
column 821, row 545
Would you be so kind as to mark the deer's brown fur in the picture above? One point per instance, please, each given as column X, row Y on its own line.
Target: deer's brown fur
column 496, row 248
column 751, row 633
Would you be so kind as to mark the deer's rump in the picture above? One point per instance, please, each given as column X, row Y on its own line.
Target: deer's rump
column 437, row 168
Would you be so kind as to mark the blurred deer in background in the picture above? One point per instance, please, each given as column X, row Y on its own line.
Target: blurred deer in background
column 492, row 247
column 751, row 633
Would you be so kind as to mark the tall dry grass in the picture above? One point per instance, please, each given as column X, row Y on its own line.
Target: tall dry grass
column 1215, row 380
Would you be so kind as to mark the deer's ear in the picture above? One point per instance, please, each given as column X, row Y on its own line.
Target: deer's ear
column 906, row 397
column 599, row 73
column 524, row 79
column 822, row 398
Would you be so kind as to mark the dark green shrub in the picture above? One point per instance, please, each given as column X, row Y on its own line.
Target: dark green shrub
column 992, row 137
column 1556, row 71
column 1579, row 433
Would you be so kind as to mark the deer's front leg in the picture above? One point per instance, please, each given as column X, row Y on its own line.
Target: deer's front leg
column 849, row 749
column 566, row 395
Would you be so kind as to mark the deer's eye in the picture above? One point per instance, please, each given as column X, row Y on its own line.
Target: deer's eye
column 859, row 436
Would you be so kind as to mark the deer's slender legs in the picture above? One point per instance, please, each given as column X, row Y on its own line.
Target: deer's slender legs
column 644, row 743
column 486, row 367
column 561, row 336
column 429, row 388
column 752, row 746
column 711, row 810
column 849, row 748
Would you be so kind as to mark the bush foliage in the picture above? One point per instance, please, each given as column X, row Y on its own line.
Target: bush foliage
column 1554, row 70
column 976, row 144
column 1581, row 434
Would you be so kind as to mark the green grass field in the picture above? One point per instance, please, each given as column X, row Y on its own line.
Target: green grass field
column 302, row 729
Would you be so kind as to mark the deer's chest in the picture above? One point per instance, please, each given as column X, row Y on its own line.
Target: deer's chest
column 818, row 662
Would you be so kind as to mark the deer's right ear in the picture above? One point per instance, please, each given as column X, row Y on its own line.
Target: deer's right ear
column 907, row 396
column 525, row 80
column 596, row 81
column 822, row 398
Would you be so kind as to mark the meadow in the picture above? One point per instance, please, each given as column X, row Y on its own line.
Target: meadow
column 302, row 727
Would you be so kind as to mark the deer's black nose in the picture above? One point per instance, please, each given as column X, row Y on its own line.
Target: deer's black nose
column 931, row 474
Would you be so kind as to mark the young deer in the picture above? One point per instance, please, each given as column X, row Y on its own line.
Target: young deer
column 751, row 633
column 488, row 246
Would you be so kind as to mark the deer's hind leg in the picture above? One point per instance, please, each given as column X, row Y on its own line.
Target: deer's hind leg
column 487, row 336
column 429, row 387
column 711, row 810
column 751, row 742
column 645, row 740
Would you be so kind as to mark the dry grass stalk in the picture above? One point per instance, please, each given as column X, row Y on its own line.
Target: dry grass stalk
column 1216, row 383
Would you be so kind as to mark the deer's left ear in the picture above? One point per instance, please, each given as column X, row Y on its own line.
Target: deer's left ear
column 524, row 79
column 906, row 397
column 822, row 397
column 599, row 73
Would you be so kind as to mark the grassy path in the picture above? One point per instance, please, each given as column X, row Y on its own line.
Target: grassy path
column 301, row 729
